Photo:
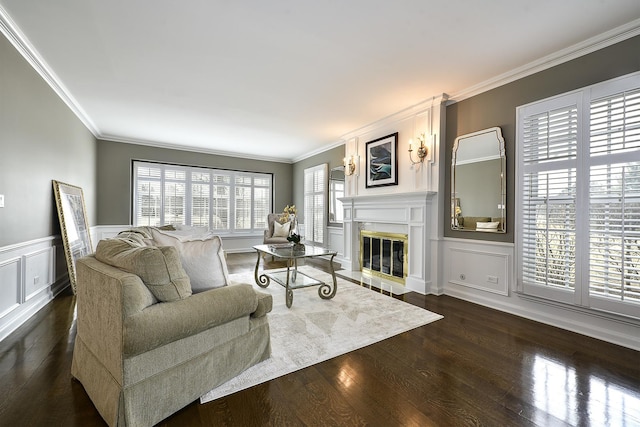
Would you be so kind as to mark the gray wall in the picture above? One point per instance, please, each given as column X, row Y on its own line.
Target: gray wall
column 333, row 157
column 497, row 107
column 114, row 175
column 40, row 140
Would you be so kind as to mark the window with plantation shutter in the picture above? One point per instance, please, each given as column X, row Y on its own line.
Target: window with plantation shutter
column 614, row 201
column 225, row 201
column 578, row 187
column 315, row 196
column 548, row 147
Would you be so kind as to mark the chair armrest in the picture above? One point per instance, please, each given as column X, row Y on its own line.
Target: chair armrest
column 265, row 304
column 167, row 322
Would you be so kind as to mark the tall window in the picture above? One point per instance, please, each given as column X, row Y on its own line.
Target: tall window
column 228, row 201
column 315, row 196
column 579, row 197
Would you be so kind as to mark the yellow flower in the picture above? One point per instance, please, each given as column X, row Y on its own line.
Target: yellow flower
column 286, row 212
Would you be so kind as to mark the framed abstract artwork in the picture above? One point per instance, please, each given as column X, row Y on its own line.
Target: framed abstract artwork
column 382, row 161
column 74, row 226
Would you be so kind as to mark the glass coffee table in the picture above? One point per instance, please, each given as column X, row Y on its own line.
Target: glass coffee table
column 291, row 278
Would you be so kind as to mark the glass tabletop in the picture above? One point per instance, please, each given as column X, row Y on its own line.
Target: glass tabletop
column 286, row 250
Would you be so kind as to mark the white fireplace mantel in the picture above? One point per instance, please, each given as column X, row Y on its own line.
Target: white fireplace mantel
column 408, row 210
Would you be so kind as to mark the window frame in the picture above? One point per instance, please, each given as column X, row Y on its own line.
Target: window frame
column 256, row 227
column 585, row 163
column 315, row 217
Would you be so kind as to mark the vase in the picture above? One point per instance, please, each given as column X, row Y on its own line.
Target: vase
column 298, row 247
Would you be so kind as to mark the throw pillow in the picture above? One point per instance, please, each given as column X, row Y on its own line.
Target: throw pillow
column 159, row 267
column 281, row 230
column 202, row 258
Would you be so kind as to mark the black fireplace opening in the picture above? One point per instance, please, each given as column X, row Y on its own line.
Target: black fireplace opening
column 384, row 254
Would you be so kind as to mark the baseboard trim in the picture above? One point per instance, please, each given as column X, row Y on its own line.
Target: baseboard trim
column 594, row 325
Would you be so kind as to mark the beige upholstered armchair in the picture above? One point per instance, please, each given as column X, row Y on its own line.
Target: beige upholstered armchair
column 148, row 341
column 276, row 232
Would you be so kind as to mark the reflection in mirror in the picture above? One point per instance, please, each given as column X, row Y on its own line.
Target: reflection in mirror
column 336, row 190
column 478, row 182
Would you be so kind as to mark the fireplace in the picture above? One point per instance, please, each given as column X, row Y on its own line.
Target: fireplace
column 409, row 214
column 384, row 254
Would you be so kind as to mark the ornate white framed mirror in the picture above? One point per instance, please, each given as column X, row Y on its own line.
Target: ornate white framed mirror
column 478, row 182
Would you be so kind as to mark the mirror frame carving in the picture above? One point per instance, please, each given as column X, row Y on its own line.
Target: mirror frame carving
column 72, row 215
column 503, row 178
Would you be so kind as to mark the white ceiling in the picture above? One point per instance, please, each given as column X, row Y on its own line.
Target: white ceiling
column 283, row 79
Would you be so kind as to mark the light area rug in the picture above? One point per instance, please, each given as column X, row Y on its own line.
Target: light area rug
column 314, row 330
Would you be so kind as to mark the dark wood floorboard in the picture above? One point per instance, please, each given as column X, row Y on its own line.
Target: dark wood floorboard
column 475, row 367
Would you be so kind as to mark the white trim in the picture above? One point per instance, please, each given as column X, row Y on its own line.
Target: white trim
column 53, row 281
column 29, row 52
column 503, row 289
column 203, row 150
column 571, row 318
column 608, row 327
column 577, row 50
column 28, row 243
column 399, row 116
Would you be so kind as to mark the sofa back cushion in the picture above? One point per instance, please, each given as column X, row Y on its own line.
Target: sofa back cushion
column 159, row 267
column 202, row 258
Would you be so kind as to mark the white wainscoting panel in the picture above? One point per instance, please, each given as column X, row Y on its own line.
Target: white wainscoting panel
column 467, row 266
column 482, row 270
column 10, row 279
column 38, row 271
column 335, row 238
column 31, row 274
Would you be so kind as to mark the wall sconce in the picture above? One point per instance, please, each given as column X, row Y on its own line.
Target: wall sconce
column 422, row 150
column 350, row 167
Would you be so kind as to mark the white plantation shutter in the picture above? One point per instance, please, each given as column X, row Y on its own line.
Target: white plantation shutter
column 170, row 194
column 548, row 150
column 148, row 196
column 221, row 201
column 614, row 202
column 261, row 202
column 243, row 202
column 174, row 196
column 200, row 198
column 315, row 195
column 578, row 233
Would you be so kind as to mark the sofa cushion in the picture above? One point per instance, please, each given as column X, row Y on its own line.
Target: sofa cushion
column 202, row 258
column 159, row 267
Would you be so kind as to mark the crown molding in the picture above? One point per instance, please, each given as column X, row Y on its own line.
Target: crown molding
column 398, row 116
column 318, row 151
column 28, row 52
column 585, row 47
column 202, row 150
column 390, row 119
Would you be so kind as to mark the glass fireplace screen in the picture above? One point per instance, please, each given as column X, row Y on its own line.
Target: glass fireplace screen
column 384, row 254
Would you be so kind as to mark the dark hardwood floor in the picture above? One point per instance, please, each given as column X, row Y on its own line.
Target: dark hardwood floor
column 475, row 367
